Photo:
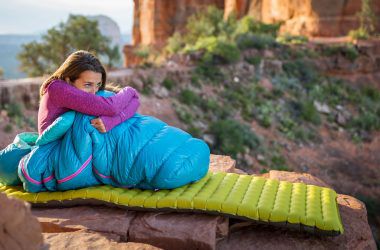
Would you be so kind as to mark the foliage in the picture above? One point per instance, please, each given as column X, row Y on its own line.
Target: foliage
column 249, row 25
column 216, row 50
column 168, row 83
column 301, row 69
column 255, row 40
column 221, row 39
column 8, row 128
column 232, row 137
column 254, row 60
column 188, row 97
column 358, row 34
column 348, row 51
column 367, row 19
column 291, row 39
column 38, row 58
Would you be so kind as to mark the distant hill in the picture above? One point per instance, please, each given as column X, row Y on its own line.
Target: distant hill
column 10, row 46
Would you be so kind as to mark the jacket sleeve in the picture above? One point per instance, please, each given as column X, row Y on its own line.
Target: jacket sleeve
column 67, row 96
column 112, row 121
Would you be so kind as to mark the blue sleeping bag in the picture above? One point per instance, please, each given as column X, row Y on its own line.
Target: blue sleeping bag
column 142, row 152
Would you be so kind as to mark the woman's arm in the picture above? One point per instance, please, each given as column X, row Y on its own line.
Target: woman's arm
column 112, row 121
column 67, row 96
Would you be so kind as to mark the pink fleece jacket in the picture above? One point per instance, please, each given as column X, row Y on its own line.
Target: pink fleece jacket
column 61, row 97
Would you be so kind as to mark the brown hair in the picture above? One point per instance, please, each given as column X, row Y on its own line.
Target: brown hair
column 73, row 66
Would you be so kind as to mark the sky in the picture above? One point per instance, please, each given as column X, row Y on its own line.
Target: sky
column 37, row 16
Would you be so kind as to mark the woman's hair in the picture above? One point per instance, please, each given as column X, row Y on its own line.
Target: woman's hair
column 112, row 87
column 74, row 65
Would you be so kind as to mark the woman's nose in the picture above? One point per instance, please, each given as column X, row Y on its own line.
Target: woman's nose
column 94, row 89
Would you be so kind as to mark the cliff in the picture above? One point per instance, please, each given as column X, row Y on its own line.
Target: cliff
column 310, row 17
column 156, row 20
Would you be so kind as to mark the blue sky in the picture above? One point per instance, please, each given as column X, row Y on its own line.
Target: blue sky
column 36, row 16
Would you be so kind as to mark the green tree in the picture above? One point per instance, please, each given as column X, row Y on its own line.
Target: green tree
column 38, row 58
column 1, row 73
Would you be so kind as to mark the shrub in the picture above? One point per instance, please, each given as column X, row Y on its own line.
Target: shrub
column 188, row 97
column 278, row 162
column 184, row 116
column 233, row 137
column 204, row 24
column 14, row 110
column 254, row 60
column 358, row 34
column 291, row 39
column 175, row 43
column 257, row 41
column 194, row 131
column 216, row 50
column 301, row 69
column 310, row 113
column 366, row 121
column 207, row 70
column 147, row 87
column 8, row 128
column 264, row 114
column 348, row 51
column 168, row 83
column 249, row 25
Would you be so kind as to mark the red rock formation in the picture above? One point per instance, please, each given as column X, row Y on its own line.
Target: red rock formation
column 19, row 229
column 156, row 20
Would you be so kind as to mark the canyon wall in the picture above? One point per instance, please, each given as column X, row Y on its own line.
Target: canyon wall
column 305, row 17
column 156, row 20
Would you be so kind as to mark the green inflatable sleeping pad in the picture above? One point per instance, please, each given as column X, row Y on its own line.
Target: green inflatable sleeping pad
column 293, row 205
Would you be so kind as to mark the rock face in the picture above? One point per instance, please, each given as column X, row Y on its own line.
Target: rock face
column 310, row 17
column 156, row 20
column 19, row 229
column 91, row 227
column 364, row 70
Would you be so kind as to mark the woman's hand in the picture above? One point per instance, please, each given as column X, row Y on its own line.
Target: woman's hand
column 99, row 125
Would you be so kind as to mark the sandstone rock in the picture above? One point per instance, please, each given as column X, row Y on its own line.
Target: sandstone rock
column 98, row 218
column 296, row 177
column 162, row 229
column 19, row 229
column 156, row 21
column 222, row 163
column 89, row 240
column 178, row 231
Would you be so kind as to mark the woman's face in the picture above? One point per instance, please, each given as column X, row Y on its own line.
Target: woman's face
column 88, row 81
